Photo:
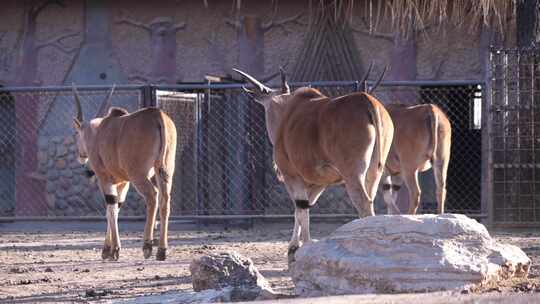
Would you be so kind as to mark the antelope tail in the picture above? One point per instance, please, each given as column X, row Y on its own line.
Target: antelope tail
column 434, row 119
column 161, row 161
column 376, row 118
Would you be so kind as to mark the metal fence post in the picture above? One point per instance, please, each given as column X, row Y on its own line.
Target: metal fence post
column 356, row 86
column 487, row 164
column 149, row 96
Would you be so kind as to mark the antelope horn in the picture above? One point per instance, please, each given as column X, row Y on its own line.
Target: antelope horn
column 77, row 102
column 363, row 82
column 285, row 89
column 378, row 81
column 105, row 104
column 260, row 87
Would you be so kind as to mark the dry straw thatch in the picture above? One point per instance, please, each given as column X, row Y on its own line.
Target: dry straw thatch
column 407, row 15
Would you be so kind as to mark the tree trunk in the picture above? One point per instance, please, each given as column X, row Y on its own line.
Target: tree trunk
column 163, row 39
column 29, row 192
column 403, row 58
column 403, row 61
column 250, row 156
column 403, row 66
column 251, row 45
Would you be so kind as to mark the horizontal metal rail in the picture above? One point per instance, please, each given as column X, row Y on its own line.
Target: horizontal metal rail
column 216, row 86
column 434, row 83
column 68, row 88
column 192, row 217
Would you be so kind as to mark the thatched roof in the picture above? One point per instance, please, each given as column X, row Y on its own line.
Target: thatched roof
column 495, row 13
column 457, row 13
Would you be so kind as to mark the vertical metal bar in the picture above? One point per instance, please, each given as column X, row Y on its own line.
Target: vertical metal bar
column 505, row 127
column 533, row 135
column 356, row 86
column 484, row 196
column 487, row 140
column 149, row 98
column 517, row 150
column 196, row 152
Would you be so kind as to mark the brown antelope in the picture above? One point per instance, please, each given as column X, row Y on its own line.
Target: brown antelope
column 123, row 148
column 320, row 141
column 422, row 141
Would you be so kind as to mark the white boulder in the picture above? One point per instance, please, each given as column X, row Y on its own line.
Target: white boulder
column 405, row 253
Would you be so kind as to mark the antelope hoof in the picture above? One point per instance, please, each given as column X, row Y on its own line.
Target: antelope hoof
column 147, row 249
column 161, row 254
column 106, row 252
column 290, row 254
column 115, row 254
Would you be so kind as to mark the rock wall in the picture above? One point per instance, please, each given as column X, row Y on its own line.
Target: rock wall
column 69, row 191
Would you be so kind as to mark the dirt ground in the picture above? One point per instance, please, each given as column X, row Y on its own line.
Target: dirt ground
column 61, row 261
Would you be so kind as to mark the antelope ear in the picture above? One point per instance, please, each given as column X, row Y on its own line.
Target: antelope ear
column 76, row 124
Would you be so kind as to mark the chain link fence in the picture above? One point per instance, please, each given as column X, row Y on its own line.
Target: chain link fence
column 230, row 159
column 462, row 103
column 224, row 159
column 39, row 174
column 514, row 137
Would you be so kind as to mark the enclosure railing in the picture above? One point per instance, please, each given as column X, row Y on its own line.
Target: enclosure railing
column 514, row 141
column 224, row 160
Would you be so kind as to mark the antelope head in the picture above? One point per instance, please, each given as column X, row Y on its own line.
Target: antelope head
column 85, row 130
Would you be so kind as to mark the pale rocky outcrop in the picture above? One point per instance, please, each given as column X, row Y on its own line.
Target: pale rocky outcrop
column 405, row 253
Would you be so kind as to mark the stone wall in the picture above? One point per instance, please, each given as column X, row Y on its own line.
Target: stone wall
column 69, row 192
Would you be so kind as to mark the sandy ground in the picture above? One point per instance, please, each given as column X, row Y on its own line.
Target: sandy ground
column 61, row 262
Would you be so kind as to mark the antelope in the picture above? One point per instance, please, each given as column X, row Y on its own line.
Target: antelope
column 422, row 141
column 123, row 148
column 320, row 141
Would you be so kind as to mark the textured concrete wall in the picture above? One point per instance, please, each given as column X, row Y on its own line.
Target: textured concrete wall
column 131, row 47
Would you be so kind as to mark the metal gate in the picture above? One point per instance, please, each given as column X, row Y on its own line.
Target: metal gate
column 514, row 128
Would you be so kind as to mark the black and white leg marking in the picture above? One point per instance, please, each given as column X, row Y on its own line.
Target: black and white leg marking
column 111, row 199
column 302, row 204
column 390, row 188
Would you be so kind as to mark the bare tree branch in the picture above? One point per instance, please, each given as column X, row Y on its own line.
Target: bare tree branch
column 233, row 23
column 281, row 23
column 36, row 10
column 56, row 40
column 64, row 49
column 385, row 36
column 178, row 26
column 227, row 77
column 132, row 22
column 139, row 78
column 437, row 69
